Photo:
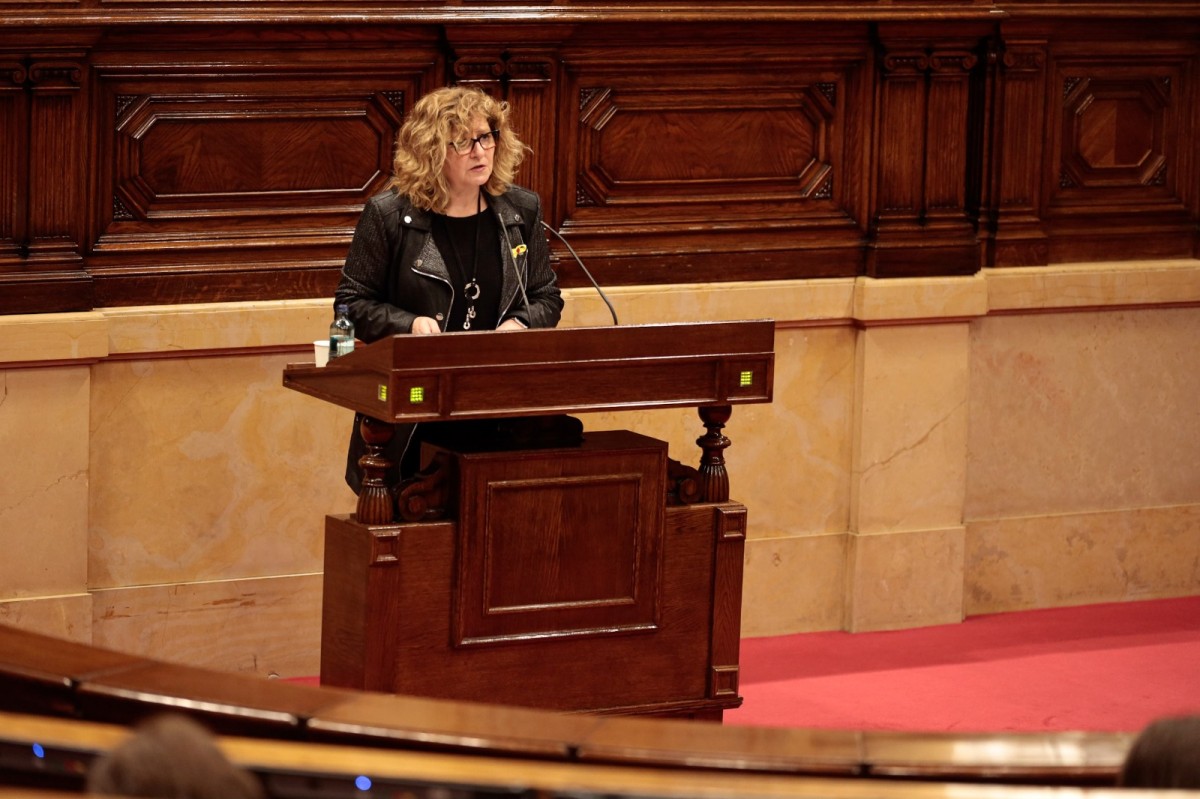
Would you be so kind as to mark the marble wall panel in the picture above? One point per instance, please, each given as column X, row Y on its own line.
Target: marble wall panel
column 1095, row 285
column 785, row 301
column 794, row 583
column 68, row 616
column 1084, row 411
column 164, row 466
column 52, row 338
column 1075, row 559
column 43, row 480
column 911, row 432
column 267, row 626
column 206, row 468
column 905, row 579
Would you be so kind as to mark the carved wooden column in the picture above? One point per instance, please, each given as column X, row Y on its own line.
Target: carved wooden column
column 43, row 174
column 923, row 222
column 948, row 170
column 14, row 176
column 56, row 157
column 1018, row 238
column 900, row 152
column 713, row 476
column 521, row 66
column 375, row 500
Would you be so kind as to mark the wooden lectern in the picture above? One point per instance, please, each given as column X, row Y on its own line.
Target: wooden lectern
column 595, row 574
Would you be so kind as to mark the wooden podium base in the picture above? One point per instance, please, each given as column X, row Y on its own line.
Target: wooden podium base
column 560, row 579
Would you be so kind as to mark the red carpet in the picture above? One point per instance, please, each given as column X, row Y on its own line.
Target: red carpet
column 1097, row 667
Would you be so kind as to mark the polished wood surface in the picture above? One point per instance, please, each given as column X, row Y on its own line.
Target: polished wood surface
column 488, row 375
column 408, row 723
column 232, row 702
column 549, row 575
column 482, row 375
column 578, row 592
column 170, row 151
column 302, row 769
column 972, row 755
column 40, row 674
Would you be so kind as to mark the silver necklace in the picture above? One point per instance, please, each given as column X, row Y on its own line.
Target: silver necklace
column 471, row 288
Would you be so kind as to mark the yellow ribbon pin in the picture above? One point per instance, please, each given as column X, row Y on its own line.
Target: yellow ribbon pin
column 518, row 251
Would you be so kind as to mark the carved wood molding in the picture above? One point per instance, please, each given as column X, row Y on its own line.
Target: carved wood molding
column 55, row 75
column 13, row 73
column 167, row 164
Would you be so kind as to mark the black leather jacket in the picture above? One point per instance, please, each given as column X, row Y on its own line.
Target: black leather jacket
column 394, row 272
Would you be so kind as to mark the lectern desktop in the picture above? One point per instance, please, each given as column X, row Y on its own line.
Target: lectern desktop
column 548, row 569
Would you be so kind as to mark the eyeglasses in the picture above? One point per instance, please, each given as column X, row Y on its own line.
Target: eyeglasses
column 486, row 141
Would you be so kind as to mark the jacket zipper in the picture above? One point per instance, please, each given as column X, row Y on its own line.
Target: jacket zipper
column 442, row 325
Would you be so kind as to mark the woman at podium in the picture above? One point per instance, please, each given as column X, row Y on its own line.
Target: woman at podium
column 452, row 244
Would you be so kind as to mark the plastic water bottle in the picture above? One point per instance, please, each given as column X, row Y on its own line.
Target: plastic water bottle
column 341, row 333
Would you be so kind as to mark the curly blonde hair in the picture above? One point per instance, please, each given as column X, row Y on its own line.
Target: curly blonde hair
column 438, row 118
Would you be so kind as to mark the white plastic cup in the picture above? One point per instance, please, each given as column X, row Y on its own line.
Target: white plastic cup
column 321, row 351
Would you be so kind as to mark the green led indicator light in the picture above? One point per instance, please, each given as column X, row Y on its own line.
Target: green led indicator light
column 416, row 394
column 382, row 393
column 746, row 379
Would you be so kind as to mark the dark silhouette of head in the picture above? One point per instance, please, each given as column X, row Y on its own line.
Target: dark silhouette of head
column 170, row 756
column 1164, row 755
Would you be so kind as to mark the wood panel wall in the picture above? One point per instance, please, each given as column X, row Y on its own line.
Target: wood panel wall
column 173, row 151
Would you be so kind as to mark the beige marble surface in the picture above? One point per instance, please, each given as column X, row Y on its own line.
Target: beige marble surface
column 910, row 436
column 792, row 583
column 49, row 338
column 924, row 299
column 1093, row 285
column 43, row 481
column 1084, row 411
column 266, row 626
column 905, row 579
column 206, row 468
column 920, row 460
column 68, row 616
column 786, row 301
column 218, row 326
column 1079, row 558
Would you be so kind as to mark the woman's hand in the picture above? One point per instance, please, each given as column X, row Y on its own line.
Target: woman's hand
column 424, row 326
column 511, row 323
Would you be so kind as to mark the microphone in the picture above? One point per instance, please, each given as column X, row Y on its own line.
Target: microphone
column 579, row 261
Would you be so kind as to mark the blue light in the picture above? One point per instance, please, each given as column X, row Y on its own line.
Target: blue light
column 363, row 783
column 38, row 751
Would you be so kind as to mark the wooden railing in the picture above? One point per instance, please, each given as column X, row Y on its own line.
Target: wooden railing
column 47, row 677
column 299, row 770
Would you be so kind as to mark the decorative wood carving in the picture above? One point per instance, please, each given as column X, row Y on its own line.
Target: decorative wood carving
column 375, row 495
column 426, row 496
column 1120, row 133
column 14, row 147
column 145, row 162
column 747, row 162
column 929, row 88
column 713, row 475
column 1018, row 235
column 254, row 160
column 1114, row 132
column 56, row 124
column 729, row 525
column 684, row 484
column 597, row 503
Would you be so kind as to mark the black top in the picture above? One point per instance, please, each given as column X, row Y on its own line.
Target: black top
column 456, row 239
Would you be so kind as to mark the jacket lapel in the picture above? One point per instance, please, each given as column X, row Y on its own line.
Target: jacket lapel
column 510, row 219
